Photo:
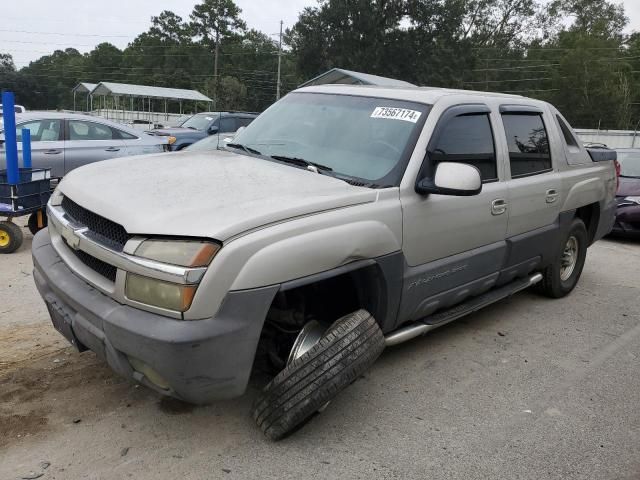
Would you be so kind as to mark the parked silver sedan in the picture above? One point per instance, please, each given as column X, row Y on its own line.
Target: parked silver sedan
column 64, row 141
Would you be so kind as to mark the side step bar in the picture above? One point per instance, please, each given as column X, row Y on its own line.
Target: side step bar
column 442, row 318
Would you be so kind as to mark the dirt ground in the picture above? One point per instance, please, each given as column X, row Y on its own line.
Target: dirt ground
column 527, row 388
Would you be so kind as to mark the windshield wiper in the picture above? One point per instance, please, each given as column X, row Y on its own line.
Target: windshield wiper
column 253, row 151
column 301, row 162
column 629, row 176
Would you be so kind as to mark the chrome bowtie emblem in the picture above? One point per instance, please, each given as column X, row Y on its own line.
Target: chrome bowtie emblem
column 71, row 238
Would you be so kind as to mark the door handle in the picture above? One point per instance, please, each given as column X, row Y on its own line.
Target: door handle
column 52, row 152
column 112, row 149
column 552, row 195
column 498, row 206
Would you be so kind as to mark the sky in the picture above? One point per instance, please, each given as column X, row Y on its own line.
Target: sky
column 32, row 28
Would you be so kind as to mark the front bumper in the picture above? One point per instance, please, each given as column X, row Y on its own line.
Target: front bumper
column 201, row 360
column 627, row 221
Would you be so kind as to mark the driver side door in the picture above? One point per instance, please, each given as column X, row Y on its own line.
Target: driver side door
column 455, row 246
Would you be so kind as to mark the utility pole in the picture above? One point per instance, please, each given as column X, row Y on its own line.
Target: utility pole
column 215, row 71
column 279, row 62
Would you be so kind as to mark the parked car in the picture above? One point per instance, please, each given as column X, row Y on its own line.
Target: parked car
column 343, row 220
column 64, row 141
column 178, row 122
column 628, row 196
column 16, row 108
column 212, row 142
column 141, row 124
column 202, row 125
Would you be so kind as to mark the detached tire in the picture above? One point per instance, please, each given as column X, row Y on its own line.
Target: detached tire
column 10, row 237
column 561, row 277
column 347, row 349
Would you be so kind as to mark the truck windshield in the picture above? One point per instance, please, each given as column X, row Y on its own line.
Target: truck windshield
column 361, row 137
column 629, row 164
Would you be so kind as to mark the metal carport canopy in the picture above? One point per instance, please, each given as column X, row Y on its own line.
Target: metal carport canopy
column 143, row 91
column 349, row 77
column 84, row 87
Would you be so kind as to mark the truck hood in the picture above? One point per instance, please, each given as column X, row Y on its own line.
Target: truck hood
column 204, row 194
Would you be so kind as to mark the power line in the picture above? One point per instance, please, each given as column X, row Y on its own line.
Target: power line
column 66, row 34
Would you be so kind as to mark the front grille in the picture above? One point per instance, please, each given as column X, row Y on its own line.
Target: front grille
column 101, row 230
column 98, row 266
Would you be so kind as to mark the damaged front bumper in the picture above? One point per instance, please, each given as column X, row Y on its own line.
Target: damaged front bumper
column 195, row 361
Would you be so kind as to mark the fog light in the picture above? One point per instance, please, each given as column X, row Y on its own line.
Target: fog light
column 149, row 373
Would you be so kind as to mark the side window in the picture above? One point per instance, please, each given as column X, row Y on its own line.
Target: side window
column 41, row 130
column 245, row 121
column 227, row 125
column 80, row 130
column 123, row 135
column 528, row 144
column 468, row 139
column 569, row 139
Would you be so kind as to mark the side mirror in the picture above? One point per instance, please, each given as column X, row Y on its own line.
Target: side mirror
column 455, row 179
column 213, row 129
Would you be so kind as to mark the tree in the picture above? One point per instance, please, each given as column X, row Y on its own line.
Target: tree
column 6, row 63
column 357, row 34
column 170, row 28
column 232, row 94
column 215, row 21
column 594, row 17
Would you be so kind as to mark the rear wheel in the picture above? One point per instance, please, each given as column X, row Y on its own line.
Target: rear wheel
column 561, row 277
column 312, row 379
column 10, row 237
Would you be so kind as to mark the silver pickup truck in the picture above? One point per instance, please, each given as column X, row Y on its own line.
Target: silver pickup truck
column 343, row 220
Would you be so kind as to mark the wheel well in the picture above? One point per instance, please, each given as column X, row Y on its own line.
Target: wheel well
column 590, row 215
column 328, row 299
column 325, row 301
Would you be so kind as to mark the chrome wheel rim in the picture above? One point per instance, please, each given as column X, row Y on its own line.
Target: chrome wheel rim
column 569, row 258
column 309, row 336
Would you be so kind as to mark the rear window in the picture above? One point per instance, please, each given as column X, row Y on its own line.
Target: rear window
column 569, row 139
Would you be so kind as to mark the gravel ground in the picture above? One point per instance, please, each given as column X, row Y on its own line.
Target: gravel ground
column 529, row 388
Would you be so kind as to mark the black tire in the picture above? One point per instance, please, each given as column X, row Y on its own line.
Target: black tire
column 552, row 284
column 10, row 237
column 33, row 222
column 347, row 349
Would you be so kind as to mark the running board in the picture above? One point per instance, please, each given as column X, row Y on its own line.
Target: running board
column 442, row 318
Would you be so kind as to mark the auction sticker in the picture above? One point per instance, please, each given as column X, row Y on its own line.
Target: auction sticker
column 393, row 113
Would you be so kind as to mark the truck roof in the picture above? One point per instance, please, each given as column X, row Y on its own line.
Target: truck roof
column 429, row 95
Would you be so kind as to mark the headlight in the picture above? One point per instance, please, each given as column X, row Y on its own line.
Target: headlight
column 635, row 200
column 150, row 291
column 172, row 140
column 167, row 295
column 177, row 252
